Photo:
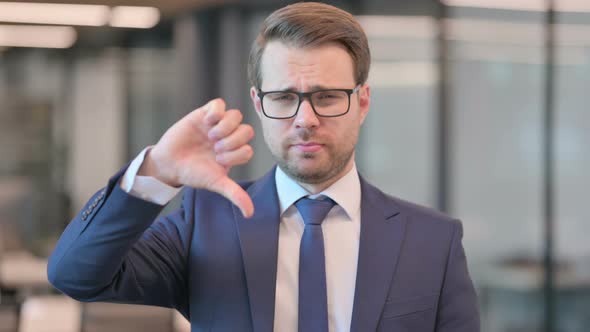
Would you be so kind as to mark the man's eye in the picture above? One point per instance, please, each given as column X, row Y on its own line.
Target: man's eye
column 329, row 95
column 282, row 97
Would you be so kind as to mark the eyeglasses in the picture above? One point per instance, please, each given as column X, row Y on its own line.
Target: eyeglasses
column 325, row 103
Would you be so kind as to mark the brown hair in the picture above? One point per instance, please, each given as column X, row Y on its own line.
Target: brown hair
column 308, row 24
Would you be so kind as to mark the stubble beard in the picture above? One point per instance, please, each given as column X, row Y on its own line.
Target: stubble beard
column 334, row 164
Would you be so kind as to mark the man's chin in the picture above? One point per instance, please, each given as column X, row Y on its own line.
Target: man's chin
column 305, row 171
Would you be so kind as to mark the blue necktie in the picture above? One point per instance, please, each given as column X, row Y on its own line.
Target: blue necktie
column 313, row 300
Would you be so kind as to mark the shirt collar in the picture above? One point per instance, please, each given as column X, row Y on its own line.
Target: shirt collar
column 346, row 192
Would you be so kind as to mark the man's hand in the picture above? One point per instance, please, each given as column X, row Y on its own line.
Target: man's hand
column 199, row 150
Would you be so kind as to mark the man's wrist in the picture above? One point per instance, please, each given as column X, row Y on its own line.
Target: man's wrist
column 149, row 168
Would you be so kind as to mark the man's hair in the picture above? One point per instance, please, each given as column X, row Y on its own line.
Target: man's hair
column 309, row 24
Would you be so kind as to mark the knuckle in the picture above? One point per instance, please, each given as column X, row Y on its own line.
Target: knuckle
column 220, row 145
column 249, row 151
column 213, row 117
column 247, row 130
column 217, row 113
column 220, row 158
column 235, row 116
column 219, row 104
column 238, row 115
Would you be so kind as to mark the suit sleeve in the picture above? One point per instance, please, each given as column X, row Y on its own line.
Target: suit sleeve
column 115, row 250
column 458, row 308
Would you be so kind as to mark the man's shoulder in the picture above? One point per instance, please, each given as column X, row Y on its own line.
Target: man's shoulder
column 411, row 210
column 422, row 211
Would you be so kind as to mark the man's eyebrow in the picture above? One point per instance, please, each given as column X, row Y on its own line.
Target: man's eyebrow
column 311, row 88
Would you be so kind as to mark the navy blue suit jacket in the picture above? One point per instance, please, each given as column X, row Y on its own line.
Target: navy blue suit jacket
column 219, row 269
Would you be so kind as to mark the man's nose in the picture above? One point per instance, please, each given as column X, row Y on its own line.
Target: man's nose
column 306, row 116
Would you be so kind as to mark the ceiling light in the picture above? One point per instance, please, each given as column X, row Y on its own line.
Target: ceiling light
column 50, row 13
column 477, row 30
column 575, row 6
column 530, row 5
column 37, row 36
column 525, row 5
column 377, row 26
column 134, row 17
column 407, row 74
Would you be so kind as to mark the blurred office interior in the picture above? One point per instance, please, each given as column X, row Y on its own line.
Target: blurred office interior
column 479, row 109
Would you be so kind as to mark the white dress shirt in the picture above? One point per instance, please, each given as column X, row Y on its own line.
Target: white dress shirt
column 341, row 230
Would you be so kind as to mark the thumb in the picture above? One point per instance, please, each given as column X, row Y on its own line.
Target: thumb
column 229, row 189
column 209, row 113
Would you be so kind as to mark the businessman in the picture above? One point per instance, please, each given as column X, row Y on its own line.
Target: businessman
column 310, row 246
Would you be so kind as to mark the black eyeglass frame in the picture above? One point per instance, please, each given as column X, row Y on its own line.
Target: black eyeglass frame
column 304, row 95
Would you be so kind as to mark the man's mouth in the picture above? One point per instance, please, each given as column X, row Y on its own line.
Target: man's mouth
column 308, row 147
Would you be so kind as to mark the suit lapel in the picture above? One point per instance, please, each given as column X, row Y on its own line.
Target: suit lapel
column 259, row 242
column 382, row 233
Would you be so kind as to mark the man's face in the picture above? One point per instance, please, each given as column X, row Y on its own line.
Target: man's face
column 309, row 148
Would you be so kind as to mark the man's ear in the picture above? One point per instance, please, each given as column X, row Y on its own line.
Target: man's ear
column 364, row 101
column 256, row 101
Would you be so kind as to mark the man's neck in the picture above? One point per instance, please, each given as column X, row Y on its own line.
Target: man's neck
column 314, row 188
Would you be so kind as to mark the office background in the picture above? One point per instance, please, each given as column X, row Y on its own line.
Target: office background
column 479, row 109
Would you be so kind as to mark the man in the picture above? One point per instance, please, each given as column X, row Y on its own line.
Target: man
column 310, row 246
